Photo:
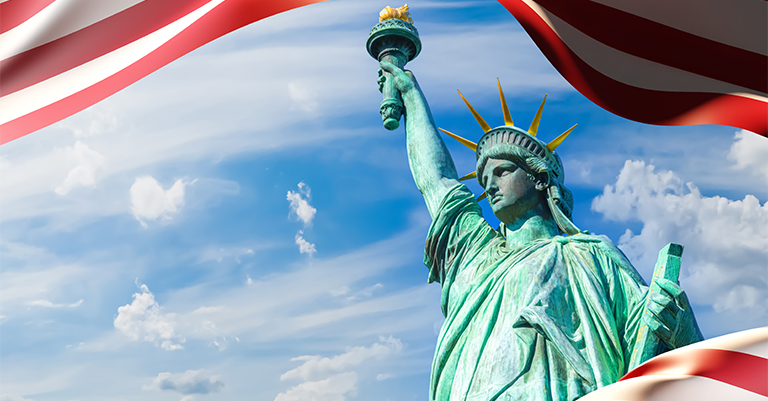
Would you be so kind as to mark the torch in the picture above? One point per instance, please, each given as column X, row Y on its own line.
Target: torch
column 394, row 39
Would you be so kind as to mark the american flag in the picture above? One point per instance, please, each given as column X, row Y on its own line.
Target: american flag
column 58, row 57
column 672, row 62
column 676, row 62
column 733, row 367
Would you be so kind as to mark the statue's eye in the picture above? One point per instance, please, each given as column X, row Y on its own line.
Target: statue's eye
column 507, row 170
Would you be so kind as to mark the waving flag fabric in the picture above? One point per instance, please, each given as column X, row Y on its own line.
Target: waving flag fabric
column 731, row 367
column 674, row 62
column 58, row 57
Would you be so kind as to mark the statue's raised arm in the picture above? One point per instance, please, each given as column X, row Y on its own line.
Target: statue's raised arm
column 431, row 163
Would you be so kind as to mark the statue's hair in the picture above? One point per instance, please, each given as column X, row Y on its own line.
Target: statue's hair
column 534, row 166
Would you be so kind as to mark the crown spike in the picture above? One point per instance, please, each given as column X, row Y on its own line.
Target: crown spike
column 484, row 125
column 465, row 142
column 504, row 108
column 556, row 142
column 469, row 176
column 535, row 124
column 481, row 197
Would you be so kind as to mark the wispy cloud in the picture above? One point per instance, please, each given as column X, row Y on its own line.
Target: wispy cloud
column 218, row 254
column 334, row 388
column 8, row 397
column 315, row 366
column 295, row 302
column 84, row 173
column 48, row 304
column 322, row 380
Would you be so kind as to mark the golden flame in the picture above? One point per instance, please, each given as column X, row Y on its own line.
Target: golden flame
column 400, row 13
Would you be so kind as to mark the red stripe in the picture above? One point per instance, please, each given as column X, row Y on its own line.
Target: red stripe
column 745, row 371
column 227, row 17
column 77, row 48
column 643, row 105
column 14, row 12
column 663, row 44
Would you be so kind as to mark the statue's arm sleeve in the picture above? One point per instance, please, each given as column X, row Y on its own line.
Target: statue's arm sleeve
column 628, row 292
column 431, row 163
column 458, row 236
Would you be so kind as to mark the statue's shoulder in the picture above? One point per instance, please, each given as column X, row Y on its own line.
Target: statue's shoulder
column 598, row 245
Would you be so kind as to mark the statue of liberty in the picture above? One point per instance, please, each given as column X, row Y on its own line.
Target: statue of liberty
column 536, row 309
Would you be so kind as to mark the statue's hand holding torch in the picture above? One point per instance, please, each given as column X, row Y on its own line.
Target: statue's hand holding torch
column 393, row 40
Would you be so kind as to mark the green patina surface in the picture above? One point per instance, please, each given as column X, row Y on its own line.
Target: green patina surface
column 530, row 314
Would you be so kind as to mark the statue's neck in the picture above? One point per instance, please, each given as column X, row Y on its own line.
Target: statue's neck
column 529, row 228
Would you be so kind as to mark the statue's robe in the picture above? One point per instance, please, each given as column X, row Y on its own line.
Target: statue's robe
column 553, row 320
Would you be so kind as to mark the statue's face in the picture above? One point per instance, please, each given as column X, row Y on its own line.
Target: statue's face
column 510, row 191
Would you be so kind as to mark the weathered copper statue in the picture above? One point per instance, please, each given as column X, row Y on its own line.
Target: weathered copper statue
column 536, row 309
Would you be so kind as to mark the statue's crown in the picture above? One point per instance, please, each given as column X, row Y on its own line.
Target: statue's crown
column 509, row 135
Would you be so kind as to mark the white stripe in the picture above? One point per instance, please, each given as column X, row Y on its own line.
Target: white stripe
column 632, row 70
column 57, row 20
column 754, row 341
column 671, row 387
column 738, row 23
column 65, row 84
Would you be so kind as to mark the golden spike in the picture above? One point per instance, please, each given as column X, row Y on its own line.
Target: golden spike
column 556, row 142
column 465, row 142
column 504, row 108
column 484, row 125
column 535, row 124
column 481, row 197
column 469, row 176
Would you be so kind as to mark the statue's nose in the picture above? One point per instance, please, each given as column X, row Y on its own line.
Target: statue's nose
column 492, row 189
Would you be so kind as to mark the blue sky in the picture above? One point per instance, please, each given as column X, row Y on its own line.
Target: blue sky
column 239, row 226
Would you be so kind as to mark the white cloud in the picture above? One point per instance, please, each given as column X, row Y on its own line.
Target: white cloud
column 48, row 304
column 726, row 241
column 304, row 246
column 750, row 151
column 142, row 320
column 299, row 204
column 84, row 173
column 300, row 207
column 314, row 366
column 187, row 383
column 149, row 201
column 334, row 388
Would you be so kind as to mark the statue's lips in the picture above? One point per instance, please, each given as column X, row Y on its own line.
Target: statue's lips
column 495, row 199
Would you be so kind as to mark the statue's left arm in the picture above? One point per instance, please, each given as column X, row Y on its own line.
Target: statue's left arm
column 672, row 318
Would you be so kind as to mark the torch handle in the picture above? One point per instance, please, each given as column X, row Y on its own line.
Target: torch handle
column 392, row 105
